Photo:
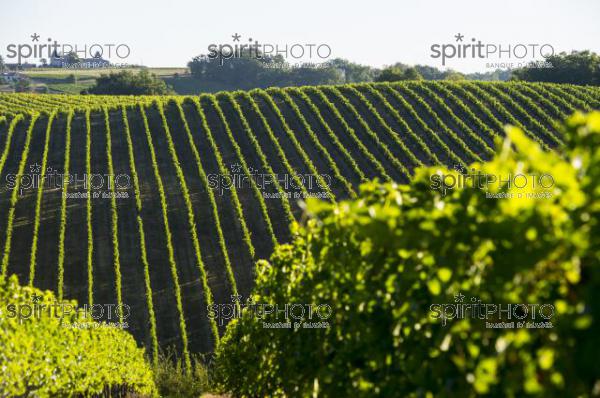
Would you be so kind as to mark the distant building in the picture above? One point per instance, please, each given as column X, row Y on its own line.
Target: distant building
column 11, row 77
column 58, row 61
column 20, row 66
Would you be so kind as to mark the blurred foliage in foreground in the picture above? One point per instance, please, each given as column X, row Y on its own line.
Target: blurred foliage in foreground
column 381, row 262
column 50, row 355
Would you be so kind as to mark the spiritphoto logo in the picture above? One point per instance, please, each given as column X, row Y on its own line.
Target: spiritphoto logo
column 514, row 55
column 252, row 48
column 496, row 316
column 540, row 185
column 237, row 178
column 99, row 185
column 56, row 53
column 274, row 316
column 88, row 316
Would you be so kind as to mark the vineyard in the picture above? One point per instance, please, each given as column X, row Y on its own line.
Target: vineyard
column 165, row 203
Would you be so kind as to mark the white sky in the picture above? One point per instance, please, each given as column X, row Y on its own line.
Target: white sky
column 375, row 32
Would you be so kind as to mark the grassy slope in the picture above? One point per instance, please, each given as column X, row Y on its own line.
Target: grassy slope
column 57, row 78
column 350, row 134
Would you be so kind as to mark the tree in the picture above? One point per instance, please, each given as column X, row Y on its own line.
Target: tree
column 430, row 72
column 412, row 74
column 578, row 67
column 498, row 74
column 2, row 64
column 129, row 83
column 353, row 72
column 397, row 73
column 454, row 75
column 241, row 72
column 258, row 71
column 44, row 62
column 390, row 74
column 71, row 58
column 22, row 85
column 313, row 76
